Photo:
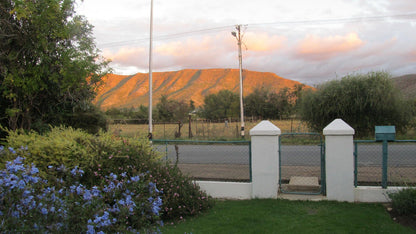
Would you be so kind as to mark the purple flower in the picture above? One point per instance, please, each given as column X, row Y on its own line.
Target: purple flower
column 44, row 211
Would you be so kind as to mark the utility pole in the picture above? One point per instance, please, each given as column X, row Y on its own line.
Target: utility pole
column 237, row 35
column 150, row 73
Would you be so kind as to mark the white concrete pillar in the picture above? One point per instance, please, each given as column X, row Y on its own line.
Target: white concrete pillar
column 339, row 161
column 265, row 159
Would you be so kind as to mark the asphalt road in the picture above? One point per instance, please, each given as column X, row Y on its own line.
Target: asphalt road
column 368, row 154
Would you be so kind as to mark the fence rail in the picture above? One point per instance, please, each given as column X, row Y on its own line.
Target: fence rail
column 384, row 163
column 209, row 160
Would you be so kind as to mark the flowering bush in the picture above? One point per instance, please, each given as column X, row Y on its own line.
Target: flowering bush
column 27, row 204
column 100, row 155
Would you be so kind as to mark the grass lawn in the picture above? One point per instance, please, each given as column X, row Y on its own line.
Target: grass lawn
column 283, row 216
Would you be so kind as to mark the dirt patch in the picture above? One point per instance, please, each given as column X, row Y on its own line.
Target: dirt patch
column 408, row 221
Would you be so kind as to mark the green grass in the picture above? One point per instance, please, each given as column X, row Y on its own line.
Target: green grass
column 283, row 216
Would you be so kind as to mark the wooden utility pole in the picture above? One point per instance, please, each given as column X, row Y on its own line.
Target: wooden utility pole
column 237, row 35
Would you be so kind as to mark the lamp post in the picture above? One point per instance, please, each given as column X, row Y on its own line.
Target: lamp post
column 150, row 73
column 237, row 35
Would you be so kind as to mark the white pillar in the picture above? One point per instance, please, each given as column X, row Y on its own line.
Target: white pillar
column 265, row 160
column 339, row 161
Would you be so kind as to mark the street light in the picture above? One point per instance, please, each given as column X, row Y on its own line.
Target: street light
column 237, row 35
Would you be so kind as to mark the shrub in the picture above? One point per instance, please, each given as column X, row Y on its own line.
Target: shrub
column 103, row 154
column 362, row 100
column 181, row 196
column 404, row 201
column 29, row 205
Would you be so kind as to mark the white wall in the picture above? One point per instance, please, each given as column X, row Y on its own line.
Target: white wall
column 228, row 190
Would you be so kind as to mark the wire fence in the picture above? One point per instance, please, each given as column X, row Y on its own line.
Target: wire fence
column 199, row 129
column 209, row 160
column 302, row 166
column 394, row 167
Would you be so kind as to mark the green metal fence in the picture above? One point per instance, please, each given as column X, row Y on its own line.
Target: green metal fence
column 209, row 160
column 302, row 163
column 385, row 163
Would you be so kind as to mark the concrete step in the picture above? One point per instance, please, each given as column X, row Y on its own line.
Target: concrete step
column 303, row 184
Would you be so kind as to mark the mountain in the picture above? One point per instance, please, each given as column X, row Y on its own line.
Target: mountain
column 407, row 85
column 191, row 84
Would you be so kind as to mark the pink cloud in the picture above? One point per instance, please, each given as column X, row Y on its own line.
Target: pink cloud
column 129, row 56
column 261, row 42
column 320, row 48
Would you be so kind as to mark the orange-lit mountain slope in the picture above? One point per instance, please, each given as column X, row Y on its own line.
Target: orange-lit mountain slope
column 132, row 91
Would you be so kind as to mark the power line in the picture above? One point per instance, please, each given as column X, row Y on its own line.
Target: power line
column 168, row 36
column 342, row 20
column 408, row 16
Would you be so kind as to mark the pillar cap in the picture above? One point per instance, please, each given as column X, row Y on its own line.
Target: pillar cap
column 338, row 127
column 265, row 128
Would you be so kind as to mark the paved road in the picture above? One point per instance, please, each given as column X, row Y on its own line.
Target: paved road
column 368, row 154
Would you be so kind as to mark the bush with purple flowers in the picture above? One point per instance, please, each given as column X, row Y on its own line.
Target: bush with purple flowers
column 121, row 204
column 84, row 162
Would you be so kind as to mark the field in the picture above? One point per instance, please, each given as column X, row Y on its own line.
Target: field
column 201, row 130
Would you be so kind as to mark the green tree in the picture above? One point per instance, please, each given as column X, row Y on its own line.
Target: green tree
column 171, row 110
column 49, row 64
column 267, row 104
column 221, row 105
column 362, row 100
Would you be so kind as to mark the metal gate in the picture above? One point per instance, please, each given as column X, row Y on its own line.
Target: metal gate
column 302, row 163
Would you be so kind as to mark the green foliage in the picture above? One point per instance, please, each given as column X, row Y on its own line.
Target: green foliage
column 50, row 68
column 172, row 110
column 266, row 104
column 121, row 203
column 181, row 196
column 363, row 101
column 221, row 105
column 102, row 154
column 91, row 120
column 404, row 201
column 142, row 112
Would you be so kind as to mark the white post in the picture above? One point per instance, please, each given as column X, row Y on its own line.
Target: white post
column 151, row 73
column 265, row 160
column 339, row 161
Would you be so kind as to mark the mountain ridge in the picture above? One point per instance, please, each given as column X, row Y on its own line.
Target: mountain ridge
column 125, row 91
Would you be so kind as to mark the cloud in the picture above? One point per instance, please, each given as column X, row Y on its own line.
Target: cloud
column 262, row 42
column 128, row 56
column 321, row 48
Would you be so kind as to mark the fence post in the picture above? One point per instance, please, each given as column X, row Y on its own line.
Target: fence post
column 384, row 166
column 265, row 163
column 339, row 161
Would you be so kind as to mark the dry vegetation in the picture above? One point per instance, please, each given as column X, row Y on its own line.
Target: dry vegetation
column 202, row 130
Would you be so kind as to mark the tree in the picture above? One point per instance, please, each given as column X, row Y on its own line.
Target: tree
column 221, row 105
column 362, row 100
column 49, row 64
column 267, row 104
column 172, row 110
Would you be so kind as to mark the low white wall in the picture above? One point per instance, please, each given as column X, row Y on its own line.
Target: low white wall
column 229, row 190
column 374, row 194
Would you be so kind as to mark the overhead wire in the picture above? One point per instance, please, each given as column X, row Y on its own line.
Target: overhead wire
column 407, row 16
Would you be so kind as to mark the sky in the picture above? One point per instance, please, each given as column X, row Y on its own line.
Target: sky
column 304, row 40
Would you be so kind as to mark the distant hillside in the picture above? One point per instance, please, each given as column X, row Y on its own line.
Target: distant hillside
column 407, row 85
column 132, row 91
